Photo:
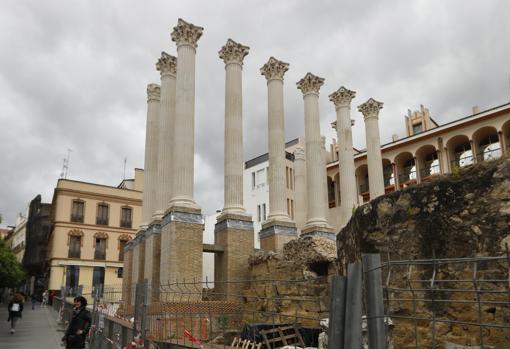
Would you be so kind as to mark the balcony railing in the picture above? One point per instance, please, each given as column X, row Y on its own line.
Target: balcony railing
column 489, row 154
column 407, row 178
column 77, row 218
column 126, row 224
column 101, row 221
column 429, row 171
column 98, row 254
column 364, row 188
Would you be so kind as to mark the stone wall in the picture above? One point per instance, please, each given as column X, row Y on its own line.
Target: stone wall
column 293, row 284
column 464, row 214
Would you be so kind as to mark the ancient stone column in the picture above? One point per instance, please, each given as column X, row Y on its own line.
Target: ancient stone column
column 186, row 36
column 348, row 192
column 234, row 228
column 182, row 225
column 300, row 187
column 278, row 229
column 166, row 65
column 233, row 54
column 151, row 155
column 370, row 110
column 316, row 223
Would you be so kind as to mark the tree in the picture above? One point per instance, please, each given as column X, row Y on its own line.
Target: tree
column 11, row 271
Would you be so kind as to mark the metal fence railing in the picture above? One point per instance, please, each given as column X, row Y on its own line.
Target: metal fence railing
column 422, row 303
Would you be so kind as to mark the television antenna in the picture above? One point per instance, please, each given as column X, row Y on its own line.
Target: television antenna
column 65, row 164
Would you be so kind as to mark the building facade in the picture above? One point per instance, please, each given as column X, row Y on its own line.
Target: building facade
column 256, row 188
column 429, row 149
column 91, row 225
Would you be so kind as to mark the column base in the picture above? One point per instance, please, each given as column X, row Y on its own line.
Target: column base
column 274, row 234
column 235, row 234
column 182, row 247
column 319, row 231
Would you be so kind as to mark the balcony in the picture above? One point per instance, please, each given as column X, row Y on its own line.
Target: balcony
column 77, row 218
column 101, row 221
column 126, row 223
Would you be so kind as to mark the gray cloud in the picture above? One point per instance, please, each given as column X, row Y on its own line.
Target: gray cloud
column 73, row 75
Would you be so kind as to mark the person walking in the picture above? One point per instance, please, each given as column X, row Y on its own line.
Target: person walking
column 44, row 299
column 33, row 298
column 79, row 326
column 15, row 309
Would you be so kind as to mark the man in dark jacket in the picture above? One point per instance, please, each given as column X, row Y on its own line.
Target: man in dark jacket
column 79, row 325
column 15, row 308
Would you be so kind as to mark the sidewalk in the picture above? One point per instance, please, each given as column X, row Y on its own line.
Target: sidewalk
column 37, row 329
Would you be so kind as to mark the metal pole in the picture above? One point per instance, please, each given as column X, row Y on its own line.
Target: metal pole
column 337, row 312
column 352, row 336
column 375, row 301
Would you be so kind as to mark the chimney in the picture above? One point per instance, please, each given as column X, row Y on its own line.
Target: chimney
column 476, row 110
column 394, row 137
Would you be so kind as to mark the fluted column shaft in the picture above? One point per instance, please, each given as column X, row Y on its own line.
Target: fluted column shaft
column 370, row 111
column 233, row 54
column 276, row 145
column 184, row 128
column 300, row 187
column 151, row 154
column 348, row 189
column 163, row 190
column 374, row 157
column 315, row 170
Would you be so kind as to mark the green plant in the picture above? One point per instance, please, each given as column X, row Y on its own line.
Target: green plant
column 455, row 171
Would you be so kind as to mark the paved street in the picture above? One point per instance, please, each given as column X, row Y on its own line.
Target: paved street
column 37, row 330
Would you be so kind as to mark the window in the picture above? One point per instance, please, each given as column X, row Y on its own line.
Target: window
column 125, row 217
column 122, row 245
column 253, row 180
column 258, row 179
column 100, row 248
column 74, row 246
column 417, row 128
column 120, row 272
column 77, row 211
column 102, row 214
column 72, row 276
column 264, row 212
column 98, row 277
column 258, row 213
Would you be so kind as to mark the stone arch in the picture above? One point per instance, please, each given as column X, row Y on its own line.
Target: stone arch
column 459, row 151
column 486, row 144
column 362, row 181
column 75, row 232
column 505, row 130
column 406, row 169
column 428, row 161
column 388, row 175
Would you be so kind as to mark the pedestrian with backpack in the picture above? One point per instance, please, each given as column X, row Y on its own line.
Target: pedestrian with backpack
column 15, row 309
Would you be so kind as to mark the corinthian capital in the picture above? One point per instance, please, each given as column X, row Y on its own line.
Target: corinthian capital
column 153, row 92
column 233, row 52
column 310, row 84
column 186, row 33
column 342, row 97
column 167, row 64
column 274, row 69
column 370, row 108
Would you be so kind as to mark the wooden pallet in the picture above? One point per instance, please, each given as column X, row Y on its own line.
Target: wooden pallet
column 286, row 335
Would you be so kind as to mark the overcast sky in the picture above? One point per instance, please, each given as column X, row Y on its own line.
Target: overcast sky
column 73, row 74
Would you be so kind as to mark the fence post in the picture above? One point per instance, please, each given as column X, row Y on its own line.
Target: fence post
column 353, row 307
column 374, row 301
column 337, row 312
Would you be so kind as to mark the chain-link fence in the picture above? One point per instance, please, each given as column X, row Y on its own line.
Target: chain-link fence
column 429, row 303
